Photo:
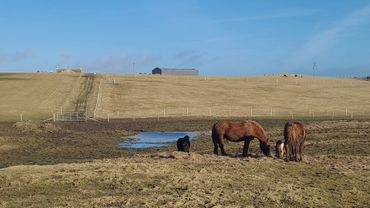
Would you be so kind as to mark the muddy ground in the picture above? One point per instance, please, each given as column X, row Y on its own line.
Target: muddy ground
column 80, row 165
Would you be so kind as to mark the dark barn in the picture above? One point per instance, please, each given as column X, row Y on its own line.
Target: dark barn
column 174, row 71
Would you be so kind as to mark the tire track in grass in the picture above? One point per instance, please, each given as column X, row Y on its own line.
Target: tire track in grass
column 81, row 102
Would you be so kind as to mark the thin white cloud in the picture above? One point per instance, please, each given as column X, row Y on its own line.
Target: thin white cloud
column 287, row 13
column 18, row 56
column 324, row 40
column 123, row 63
column 189, row 58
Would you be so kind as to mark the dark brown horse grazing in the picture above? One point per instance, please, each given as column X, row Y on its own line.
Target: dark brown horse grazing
column 239, row 131
column 295, row 136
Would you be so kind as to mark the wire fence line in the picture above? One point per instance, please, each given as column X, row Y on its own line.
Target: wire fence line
column 248, row 112
column 178, row 112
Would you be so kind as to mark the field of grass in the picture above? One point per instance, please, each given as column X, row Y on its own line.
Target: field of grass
column 38, row 95
column 51, row 165
column 55, row 164
column 260, row 96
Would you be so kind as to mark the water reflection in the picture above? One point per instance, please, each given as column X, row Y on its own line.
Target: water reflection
column 154, row 139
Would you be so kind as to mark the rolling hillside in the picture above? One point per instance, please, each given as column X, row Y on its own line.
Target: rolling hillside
column 37, row 96
column 275, row 95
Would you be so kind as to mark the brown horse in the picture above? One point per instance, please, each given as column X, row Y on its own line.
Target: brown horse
column 239, row 131
column 295, row 136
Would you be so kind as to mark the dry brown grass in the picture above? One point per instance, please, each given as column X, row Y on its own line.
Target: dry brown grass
column 335, row 171
column 153, row 96
column 182, row 180
column 38, row 95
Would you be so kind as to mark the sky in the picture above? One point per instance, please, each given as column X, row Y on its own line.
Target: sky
column 218, row 37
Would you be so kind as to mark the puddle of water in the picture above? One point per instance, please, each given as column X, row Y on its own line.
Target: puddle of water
column 154, row 139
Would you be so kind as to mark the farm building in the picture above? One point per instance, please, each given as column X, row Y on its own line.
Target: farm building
column 174, row 71
column 68, row 70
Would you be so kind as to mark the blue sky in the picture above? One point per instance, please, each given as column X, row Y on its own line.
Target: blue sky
column 218, row 37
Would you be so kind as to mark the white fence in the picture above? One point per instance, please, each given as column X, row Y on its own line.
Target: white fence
column 70, row 116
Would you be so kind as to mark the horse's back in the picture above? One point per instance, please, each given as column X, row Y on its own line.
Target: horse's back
column 238, row 129
column 294, row 131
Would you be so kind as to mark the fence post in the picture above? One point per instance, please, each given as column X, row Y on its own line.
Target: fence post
column 346, row 112
column 271, row 112
column 313, row 115
column 54, row 117
column 108, row 117
column 21, row 116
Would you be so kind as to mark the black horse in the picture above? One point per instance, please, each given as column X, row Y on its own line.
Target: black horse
column 183, row 144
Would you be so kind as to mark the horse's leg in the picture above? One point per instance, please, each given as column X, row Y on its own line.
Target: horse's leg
column 296, row 147
column 221, row 144
column 287, row 151
column 291, row 150
column 247, row 140
column 300, row 151
column 292, row 158
column 215, row 143
column 215, row 149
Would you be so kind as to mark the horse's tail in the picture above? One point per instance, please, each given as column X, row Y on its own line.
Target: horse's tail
column 287, row 128
column 214, row 134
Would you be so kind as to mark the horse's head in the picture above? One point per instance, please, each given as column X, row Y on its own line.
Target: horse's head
column 265, row 147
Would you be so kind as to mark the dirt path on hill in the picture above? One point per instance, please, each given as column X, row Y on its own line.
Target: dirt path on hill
column 81, row 102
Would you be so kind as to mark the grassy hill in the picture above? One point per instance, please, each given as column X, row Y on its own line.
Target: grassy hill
column 38, row 95
column 275, row 95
